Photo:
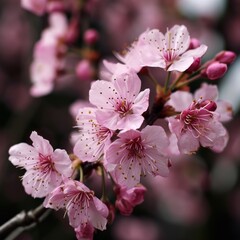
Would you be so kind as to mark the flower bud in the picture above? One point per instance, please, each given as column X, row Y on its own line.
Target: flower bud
column 194, row 43
column 225, row 57
column 73, row 31
column 194, row 66
column 84, row 70
column 209, row 105
column 91, row 36
column 216, row 70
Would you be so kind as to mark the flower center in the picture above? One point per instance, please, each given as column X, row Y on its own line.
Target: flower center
column 123, row 108
column 135, row 147
column 197, row 117
column 46, row 164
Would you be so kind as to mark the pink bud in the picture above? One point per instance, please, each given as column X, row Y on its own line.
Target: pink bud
column 194, row 66
column 73, row 31
column 209, row 105
column 91, row 36
column 194, row 43
column 225, row 57
column 216, row 70
column 84, row 70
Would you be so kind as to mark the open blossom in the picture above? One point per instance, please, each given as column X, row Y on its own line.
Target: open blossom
column 93, row 138
column 170, row 51
column 36, row 6
column 120, row 103
column 137, row 153
column 46, row 60
column 45, row 168
column 127, row 199
column 199, row 121
column 82, row 207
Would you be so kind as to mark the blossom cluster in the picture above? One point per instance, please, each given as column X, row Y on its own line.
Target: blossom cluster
column 118, row 132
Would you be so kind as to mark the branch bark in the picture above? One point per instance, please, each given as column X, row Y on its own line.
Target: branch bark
column 23, row 221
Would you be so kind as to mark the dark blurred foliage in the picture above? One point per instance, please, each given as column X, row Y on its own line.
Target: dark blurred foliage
column 119, row 22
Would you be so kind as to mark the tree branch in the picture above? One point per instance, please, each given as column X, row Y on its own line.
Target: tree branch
column 23, row 221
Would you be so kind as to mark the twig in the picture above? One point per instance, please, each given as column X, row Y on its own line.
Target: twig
column 23, row 221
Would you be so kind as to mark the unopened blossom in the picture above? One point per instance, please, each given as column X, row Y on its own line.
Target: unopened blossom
column 45, row 168
column 92, row 138
column 82, row 207
column 225, row 57
column 91, row 36
column 216, row 70
column 127, row 199
column 84, row 70
column 170, row 51
column 198, row 122
column 36, row 6
column 136, row 154
column 120, row 103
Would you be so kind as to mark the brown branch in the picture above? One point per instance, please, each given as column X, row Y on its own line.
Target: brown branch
column 23, row 221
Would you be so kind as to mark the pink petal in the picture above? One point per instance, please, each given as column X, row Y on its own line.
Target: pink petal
column 23, row 155
column 62, row 162
column 187, row 143
column 156, row 137
column 98, row 213
column 102, row 94
column 180, row 100
column 128, row 86
column 178, row 37
column 40, row 144
column 207, row 91
column 141, row 102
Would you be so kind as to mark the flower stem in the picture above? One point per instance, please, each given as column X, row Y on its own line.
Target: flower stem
column 152, row 78
column 167, row 82
column 81, row 174
column 187, row 82
column 104, row 195
column 172, row 86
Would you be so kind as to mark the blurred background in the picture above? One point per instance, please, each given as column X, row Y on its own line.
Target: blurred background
column 201, row 198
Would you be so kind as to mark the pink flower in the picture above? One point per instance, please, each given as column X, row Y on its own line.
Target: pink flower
column 36, row 6
column 170, row 51
column 199, row 122
column 93, row 138
column 47, row 51
column 137, row 153
column 84, row 232
column 82, row 207
column 45, row 168
column 127, row 199
column 119, row 102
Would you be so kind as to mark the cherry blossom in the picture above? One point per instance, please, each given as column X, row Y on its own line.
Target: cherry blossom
column 93, row 138
column 137, row 153
column 127, row 199
column 46, row 61
column 120, row 103
column 170, row 51
column 198, row 122
column 82, row 207
column 36, row 6
column 45, row 168
column 84, row 232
